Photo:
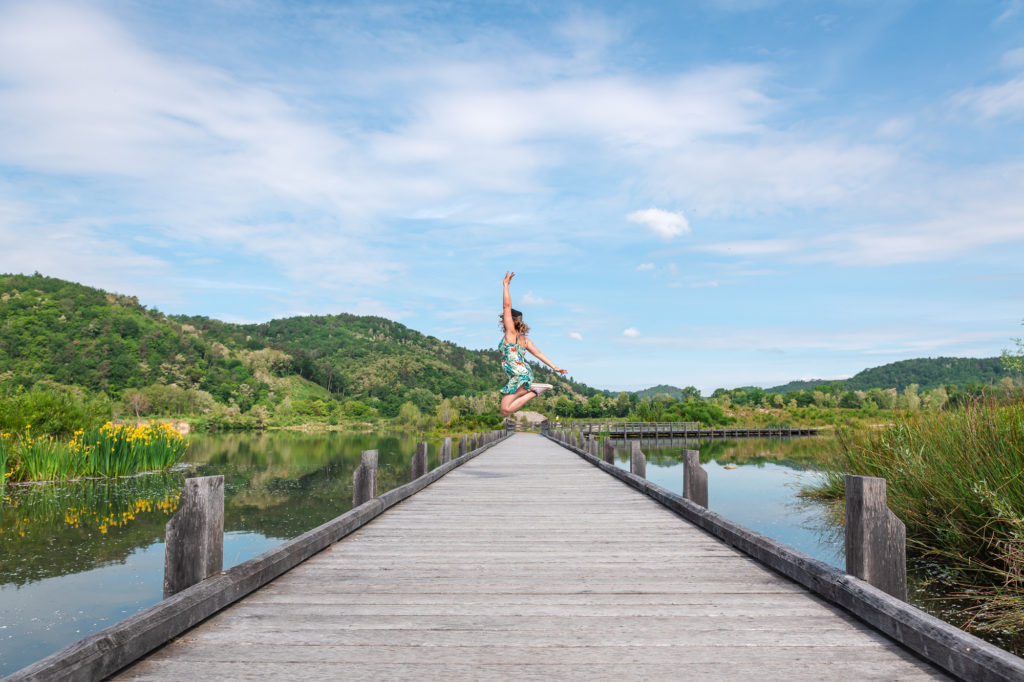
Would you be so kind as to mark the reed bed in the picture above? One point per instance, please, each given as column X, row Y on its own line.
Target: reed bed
column 108, row 451
column 956, row 479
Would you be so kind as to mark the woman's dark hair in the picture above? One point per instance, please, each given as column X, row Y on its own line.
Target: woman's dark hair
column 521, row 327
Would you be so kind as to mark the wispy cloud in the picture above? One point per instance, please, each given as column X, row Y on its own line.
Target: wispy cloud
column 529, row 298
column 994, row 101
column 631, row 332
column 576, row 335
column 645, row 266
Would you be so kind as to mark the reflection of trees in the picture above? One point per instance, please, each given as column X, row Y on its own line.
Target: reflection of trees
column 60, row 528
column 279, row 485
column 798, row 453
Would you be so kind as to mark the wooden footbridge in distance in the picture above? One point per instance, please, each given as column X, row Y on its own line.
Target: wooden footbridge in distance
column 525, row 560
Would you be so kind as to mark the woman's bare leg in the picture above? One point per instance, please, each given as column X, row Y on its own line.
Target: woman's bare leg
column 514, row 401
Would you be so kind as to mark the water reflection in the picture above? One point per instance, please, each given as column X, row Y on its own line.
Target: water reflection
column 78, row 556
column 754, row 483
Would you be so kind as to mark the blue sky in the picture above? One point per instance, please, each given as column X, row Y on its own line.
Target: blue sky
column 709, row 193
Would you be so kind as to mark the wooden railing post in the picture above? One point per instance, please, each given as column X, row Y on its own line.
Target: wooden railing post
column 446, row 450
column 462, row 445
column 876, row 541
column 194, row 537
column 545, row 427
column 473, row 445
column 609, row 450
column 695, row 479
column 637, row 460
column 510, row 425
column 419, row 460
column 364, row 478
column 592, row 445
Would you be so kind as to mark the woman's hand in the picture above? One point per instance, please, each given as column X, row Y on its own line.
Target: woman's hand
column 561, row 371
column 508, row 276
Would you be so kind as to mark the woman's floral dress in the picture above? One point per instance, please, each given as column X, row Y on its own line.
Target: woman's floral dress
column 514, row 363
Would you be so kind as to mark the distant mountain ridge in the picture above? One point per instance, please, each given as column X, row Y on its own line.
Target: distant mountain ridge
column 927, row 373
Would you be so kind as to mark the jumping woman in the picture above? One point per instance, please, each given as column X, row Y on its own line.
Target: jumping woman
column 520, row 387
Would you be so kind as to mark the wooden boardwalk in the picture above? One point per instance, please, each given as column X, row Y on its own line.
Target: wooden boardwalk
column 527, row 563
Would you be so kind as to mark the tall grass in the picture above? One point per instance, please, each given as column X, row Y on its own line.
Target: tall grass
column 110, row 450
column 956, row 479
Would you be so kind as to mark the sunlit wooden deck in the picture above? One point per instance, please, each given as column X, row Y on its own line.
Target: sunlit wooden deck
column 529, row 563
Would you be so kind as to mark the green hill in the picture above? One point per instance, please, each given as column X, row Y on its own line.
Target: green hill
column 927, row 373
column 666, row 389
column 930, row 373
column 808, row 385
column 60, row 331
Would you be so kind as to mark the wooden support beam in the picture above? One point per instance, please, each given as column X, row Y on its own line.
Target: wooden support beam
column 609, row 450
column 462, row 445
column 592, row 444
column 419, row 460
column 876, row 541
column 446, row 450
column 637, row 460
column 364, row 479
column 695, row 479
column 194, row 548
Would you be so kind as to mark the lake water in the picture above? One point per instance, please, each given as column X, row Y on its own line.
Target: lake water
column 77, row 557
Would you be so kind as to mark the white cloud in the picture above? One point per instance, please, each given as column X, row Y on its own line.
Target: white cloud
column 1013, row 59
column 530, row 299
column 994, row 101
column 665, row 224
column 750, row 247
column 645, row 266
column 631, row 332
column 576, row 335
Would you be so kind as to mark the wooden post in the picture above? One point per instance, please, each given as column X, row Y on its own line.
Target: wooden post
column 472, row 442
column 446, row 451
column 545, row 427
column 695, row 479
column 462, row 445
column 419, row 460
column 637, row 460
column 876, row 541
column 609, row 450
column 364, row 479
column 510, row 425
column 592, row 445
column 194, row 548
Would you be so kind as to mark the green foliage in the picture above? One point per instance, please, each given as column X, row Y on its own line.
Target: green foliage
column 1014, row 361
column 954, row 478
column 110, row 450
column 707, row 414
column 51, row 409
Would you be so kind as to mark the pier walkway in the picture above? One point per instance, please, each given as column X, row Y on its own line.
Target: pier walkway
column 528, row 563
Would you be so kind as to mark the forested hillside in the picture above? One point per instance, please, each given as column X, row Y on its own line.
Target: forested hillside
column 929, row 373
column 55, row 330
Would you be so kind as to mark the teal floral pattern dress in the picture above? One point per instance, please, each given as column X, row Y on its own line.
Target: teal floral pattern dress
column 513, row 361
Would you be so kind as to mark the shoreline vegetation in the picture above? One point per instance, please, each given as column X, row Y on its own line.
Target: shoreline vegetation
column 956, row 479
column 108, row 451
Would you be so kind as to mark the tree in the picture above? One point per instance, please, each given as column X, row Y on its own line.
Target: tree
column 136, row 401
column 1015, row 360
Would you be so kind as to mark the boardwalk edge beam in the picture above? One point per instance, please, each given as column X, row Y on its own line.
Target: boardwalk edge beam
column 104, row 653
column 934, row 640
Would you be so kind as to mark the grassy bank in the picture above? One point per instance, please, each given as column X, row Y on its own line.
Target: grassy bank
column 110, row 450
column 956, row 479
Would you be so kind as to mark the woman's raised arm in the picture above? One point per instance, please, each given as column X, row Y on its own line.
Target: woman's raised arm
column 506, row 307
column 532, row 347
